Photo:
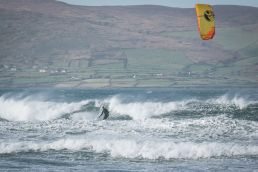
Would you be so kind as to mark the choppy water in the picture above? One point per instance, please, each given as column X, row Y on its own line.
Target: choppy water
column 148, row 130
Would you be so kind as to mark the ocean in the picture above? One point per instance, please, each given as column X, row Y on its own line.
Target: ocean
column 154, row 129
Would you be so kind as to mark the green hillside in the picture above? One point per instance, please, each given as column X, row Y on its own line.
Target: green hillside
column 59, row 45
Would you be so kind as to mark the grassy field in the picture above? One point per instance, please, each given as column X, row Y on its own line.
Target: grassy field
column 235, row 38
column 145, row 68
column 250, row 50
column 182, row 34
column 157, row 61
column 231, row 38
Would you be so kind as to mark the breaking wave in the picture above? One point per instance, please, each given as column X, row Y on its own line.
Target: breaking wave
column 138, row 128
column 236, row 100
column 130, row 148
column 29, row 109
column 32, row 108
column 141, row 110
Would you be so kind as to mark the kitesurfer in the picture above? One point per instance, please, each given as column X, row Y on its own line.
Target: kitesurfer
column 104, row 112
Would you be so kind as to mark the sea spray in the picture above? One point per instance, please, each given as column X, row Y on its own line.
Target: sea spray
column 142, row 110
column 39, row 108
column 27, row 109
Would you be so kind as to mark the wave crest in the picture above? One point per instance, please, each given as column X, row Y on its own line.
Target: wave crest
column 28, row 109
column 236, row 100
column 32, row 108
column 142, row 110
column 127, row 148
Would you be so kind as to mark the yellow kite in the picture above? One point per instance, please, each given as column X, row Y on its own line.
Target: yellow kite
column 206, row 21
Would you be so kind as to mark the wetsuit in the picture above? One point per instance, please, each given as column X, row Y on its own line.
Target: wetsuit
column 105, row 112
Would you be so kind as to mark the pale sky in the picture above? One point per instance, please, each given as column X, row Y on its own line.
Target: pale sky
column 171, row 3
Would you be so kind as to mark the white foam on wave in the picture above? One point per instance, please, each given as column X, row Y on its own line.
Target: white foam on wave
column 130, row 148
column 36, row 108
column 191, row 129
column 142, row 110
column 228, row 100
column 31, row 109
column 84, row 116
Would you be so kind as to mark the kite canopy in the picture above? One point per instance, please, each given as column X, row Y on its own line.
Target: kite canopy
column 206, row 21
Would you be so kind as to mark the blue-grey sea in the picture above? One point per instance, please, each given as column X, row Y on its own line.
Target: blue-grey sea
column 168, row 129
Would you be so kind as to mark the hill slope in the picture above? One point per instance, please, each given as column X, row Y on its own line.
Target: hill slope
column 49, row 43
